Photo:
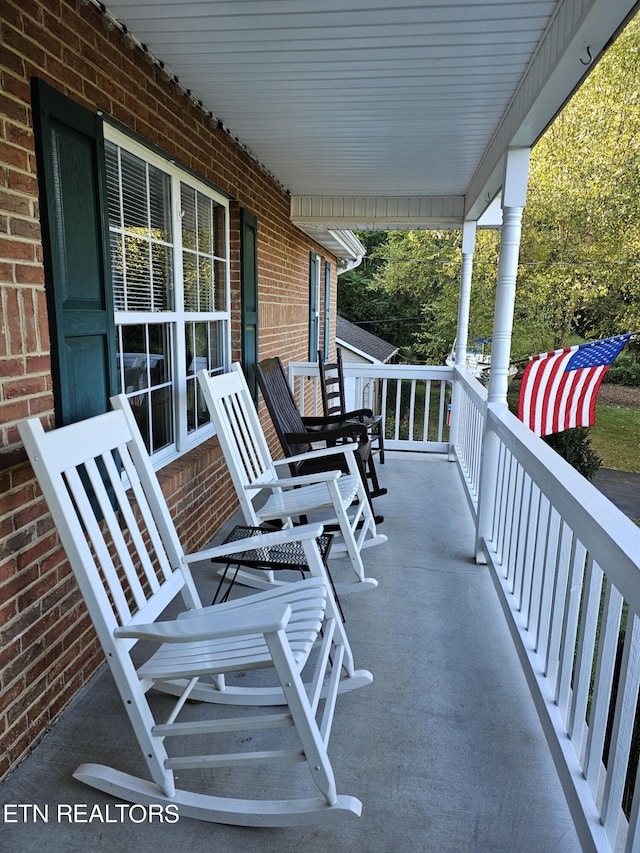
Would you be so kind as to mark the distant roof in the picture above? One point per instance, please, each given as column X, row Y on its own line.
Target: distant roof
column 364, row 342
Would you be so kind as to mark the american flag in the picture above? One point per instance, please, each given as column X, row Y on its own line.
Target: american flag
column 558, row 389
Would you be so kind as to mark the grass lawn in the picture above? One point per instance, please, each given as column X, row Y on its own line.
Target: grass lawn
column 616, row 437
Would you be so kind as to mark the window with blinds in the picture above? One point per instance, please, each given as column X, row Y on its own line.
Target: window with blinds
column 170, row 268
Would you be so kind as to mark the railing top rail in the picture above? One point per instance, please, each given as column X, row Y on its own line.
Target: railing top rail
column 474, row 389
column 382, row 371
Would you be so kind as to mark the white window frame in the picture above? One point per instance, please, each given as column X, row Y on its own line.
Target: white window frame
column 178, row 317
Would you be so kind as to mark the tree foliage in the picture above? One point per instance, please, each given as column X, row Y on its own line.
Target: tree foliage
column 581, row 229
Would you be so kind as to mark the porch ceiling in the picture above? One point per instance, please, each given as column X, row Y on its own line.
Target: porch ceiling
column 379, row 113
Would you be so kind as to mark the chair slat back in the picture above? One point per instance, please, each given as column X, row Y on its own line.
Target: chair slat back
column 281, row 404
column 240, row 433
column 109, row 532
column 332, row 385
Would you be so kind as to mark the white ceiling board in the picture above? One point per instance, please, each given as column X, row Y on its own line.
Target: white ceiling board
column 378, row 98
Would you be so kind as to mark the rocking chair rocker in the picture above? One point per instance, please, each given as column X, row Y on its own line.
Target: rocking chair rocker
column 256, row 474
column 129, row 565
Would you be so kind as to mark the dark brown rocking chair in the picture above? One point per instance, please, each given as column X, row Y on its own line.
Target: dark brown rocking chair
column 334, row 402
column 297, row 433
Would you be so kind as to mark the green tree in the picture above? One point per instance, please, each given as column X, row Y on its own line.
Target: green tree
column 355, row 301
column 581, row 227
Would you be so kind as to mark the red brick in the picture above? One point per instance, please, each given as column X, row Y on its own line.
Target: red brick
column 24, row 386
column 22, row 182
column 26, row 229
column 14, row 156
column 16, row 249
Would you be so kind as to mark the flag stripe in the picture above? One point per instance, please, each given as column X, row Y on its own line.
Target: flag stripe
column 559, row 389
column 548, row 408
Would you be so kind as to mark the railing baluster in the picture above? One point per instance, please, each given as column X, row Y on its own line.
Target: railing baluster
column 585, row 652
column 523, row 541
column 383, row 410
column 441, row 411
column 538, row 576
column 570, row 625
column 396, row 433
column 412, row 409
column 500, row 502
column 427, row 410
column 533, row 526
column 511, row 518
column 622, row 729
column 601, row 695
column 550, row 564
column 559, row 596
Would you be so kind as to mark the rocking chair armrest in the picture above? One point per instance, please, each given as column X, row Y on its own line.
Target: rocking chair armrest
column 329, row 420
column 277, row 537
column 261, row 619
column 353, row 430
column 318, row 453
column 297, row 480
column 357, row 413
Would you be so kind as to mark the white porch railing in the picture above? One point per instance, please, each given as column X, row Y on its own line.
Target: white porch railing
column 566, row 565
column 467, row 432
column 413, row 399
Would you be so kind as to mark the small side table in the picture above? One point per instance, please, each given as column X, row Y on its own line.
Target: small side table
column 288, row 555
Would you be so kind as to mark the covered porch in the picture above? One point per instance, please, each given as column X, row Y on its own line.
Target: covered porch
column 445, row 748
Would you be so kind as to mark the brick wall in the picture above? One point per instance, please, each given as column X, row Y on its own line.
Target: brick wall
column 47, row 646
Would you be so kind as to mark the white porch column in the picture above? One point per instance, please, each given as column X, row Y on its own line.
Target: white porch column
column 468, row 248
column 462, row 330
column 514, row 193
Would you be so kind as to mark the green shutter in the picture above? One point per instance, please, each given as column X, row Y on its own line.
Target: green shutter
column 249, row 296
column 70, row 152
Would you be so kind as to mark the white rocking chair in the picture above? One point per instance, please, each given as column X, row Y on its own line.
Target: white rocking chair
column 129, row 565
column 255, row 474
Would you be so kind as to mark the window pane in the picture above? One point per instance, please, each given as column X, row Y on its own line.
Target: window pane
column 206, row 284
column 204, row 277
column 134, row 191
column 139, row 197
column 204, row 351
column 144, row 357
column 162, row 289
column 219, row 285
column 113, row 183
column 197, row 359
column 219, row 244
column 161, row 419
column 205, row 225
column 117, row 271
column 189, row 220
column 159, row 204
column 190, row 281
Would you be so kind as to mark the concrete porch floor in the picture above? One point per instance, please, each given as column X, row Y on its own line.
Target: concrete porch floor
column 444, row 748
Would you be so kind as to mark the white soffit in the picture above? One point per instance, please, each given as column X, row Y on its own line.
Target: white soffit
column 379, row 113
